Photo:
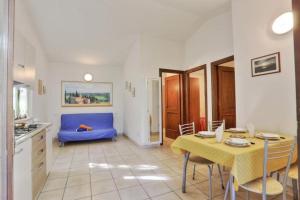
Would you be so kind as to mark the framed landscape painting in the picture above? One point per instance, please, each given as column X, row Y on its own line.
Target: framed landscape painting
column 86, row 94
column 268, row 64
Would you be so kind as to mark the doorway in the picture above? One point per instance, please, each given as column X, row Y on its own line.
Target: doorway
column 153, row 93
column 223, row 91
column 197, row 97
column 172, row 103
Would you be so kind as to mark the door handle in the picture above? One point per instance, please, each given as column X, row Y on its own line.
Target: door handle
column 42, row 137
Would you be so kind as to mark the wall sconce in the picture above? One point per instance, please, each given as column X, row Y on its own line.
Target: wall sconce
column 88, row 77
column 283, row 24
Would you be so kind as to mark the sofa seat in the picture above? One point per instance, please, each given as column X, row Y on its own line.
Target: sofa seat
column 69, row 136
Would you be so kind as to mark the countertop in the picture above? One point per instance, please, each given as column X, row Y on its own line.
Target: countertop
column 31, row 134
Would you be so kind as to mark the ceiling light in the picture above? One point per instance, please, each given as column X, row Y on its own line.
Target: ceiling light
column 88, row 77
column 283, row 24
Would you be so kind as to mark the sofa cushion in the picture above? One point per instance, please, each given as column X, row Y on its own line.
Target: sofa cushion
column 65, row 136
column 70, row 122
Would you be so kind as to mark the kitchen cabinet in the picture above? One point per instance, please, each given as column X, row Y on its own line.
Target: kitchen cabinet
column 24, row 60
column 49, row 148
column 22, row 171
column 39, row 163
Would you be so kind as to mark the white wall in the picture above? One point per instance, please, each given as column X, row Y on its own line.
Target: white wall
column 74, row 72
column 211, row 42
column 25, row 27
column 147, row 55
column 267, row 101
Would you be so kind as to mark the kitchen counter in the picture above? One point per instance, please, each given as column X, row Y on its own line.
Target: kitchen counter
column 21, row 139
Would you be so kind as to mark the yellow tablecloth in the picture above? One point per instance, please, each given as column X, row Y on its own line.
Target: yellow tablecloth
column 246, row 163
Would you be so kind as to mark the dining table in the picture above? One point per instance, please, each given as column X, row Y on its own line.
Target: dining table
column 245, row 163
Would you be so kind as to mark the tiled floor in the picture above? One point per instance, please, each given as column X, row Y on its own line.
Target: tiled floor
column 109, row 170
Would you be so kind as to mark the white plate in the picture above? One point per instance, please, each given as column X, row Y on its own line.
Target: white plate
column 237, row 142
column 206, row 134
column 267, row 136
column 239, row 130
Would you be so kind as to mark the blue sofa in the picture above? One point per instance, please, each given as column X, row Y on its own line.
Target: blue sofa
column 102, row 124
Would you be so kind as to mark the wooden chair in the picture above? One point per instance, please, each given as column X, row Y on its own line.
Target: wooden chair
column 189, row 129
column 273, row 152
column 213, row 125
column 293, row 174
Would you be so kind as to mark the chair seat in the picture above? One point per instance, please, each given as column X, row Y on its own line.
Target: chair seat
column 273, row 186
column 200, row 160
column 293, row 173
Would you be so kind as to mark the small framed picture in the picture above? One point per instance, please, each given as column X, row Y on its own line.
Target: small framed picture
column 129, row 86
column 268, row 64
column 133, row 92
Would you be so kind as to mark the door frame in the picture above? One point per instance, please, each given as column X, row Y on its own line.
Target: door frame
column 214, row 85
column 6, row 108
column 296, row 30
column 187, row 72
column 182, row 92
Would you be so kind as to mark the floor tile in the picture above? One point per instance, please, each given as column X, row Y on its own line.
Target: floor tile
column 122, row 183
column 78, row 180
column 192, row 193
column 154, row 189
column 133, row 193
column 168, row 196
column 77, row 192
column 103, row 187
column 51, row 195
column 55, row 184
column 102, row 175
column 107, row 196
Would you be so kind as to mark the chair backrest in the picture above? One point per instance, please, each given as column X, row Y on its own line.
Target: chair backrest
column 187, row 129
column 213, row 125
column 277, row 151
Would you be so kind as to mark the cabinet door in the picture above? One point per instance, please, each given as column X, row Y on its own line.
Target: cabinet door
column 19, row 58
column 22, row 171
column 30, row 64
column 49, row 148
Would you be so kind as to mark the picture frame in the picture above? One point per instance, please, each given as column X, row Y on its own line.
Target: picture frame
column 86, row 94
column 268, row 64
column 40, row 87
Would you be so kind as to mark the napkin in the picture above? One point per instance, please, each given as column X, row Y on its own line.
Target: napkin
column 219, row 133
column 251, row 129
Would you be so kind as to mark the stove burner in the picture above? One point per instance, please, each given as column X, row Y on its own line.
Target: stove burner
column 20, row 131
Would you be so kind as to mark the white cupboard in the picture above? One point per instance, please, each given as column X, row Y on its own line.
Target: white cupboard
column 22, row 171
column 24, row 60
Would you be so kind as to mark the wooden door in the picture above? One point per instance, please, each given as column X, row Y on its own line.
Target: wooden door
column 226, row 96
column 194, row 102
column 172, row 106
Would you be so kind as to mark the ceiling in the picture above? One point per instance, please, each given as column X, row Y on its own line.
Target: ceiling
column 101, row 32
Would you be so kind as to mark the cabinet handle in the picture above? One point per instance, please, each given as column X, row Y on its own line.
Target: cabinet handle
column 42, row 137
column 19, row 151
column 41, row 165
column 42, row 150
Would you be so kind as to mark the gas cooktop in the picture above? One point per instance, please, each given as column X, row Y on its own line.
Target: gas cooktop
column 22, row 131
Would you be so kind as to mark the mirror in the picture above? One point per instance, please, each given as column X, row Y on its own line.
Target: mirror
column 153, row 91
